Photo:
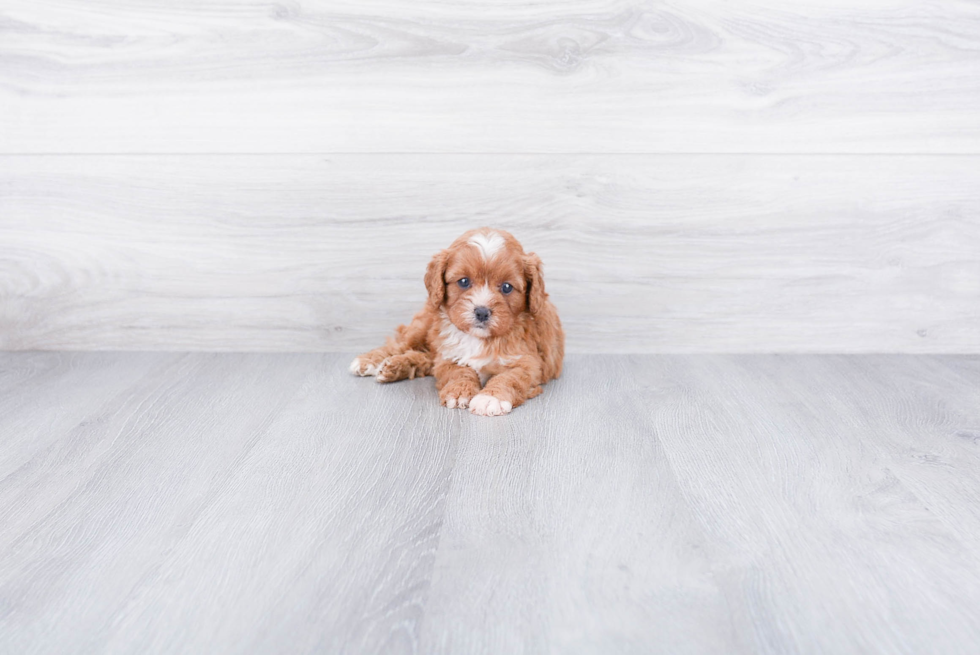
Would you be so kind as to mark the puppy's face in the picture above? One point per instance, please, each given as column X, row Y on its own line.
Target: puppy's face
column 481, row 282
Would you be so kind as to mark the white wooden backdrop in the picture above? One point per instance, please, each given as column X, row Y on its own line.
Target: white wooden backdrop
column 698, row 176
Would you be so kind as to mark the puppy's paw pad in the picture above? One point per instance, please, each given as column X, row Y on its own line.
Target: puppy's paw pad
column 486, row 405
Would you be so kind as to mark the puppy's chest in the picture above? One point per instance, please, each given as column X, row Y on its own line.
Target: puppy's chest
column 467, row 350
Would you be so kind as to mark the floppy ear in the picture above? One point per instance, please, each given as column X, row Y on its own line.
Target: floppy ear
column 435, row 279
column 534, row 278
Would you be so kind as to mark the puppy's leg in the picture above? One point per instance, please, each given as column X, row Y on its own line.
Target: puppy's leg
column 412, row 364
column 370, row 362
column 456, row 384
column 407, row 338
column 505, row 391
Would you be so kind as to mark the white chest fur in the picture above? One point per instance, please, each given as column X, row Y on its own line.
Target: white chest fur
column 464, row 349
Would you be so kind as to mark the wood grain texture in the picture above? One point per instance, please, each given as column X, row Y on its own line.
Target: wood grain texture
column 228, row 486
column 712, row 504
column 642, row 253
column 502, row 76
column 649, row 504
column 791, row 469
column 939, row 452
column 50, row 393
column 566, row 530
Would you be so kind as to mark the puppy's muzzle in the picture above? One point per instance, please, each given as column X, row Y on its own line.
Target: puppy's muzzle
column 481, row 314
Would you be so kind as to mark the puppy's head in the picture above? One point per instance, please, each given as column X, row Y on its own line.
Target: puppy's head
column 484, row 281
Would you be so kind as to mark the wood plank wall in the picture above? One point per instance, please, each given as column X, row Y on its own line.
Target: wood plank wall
column 697, row 176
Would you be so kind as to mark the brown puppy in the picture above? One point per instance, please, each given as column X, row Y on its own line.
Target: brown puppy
column 488, row 332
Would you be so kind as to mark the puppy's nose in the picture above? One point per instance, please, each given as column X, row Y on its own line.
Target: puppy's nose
column 482, row 314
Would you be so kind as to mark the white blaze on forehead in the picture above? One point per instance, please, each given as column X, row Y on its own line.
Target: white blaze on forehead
column 489, row 244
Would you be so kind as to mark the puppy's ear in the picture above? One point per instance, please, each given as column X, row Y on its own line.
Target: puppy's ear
column 534, row 278
column 435, row 279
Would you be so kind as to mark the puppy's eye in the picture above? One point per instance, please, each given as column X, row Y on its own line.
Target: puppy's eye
column 463, row 282
column 506, row 288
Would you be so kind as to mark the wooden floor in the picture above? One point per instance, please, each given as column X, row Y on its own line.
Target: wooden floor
column 213, row 503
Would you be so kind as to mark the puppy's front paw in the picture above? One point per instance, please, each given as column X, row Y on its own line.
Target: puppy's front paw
column 452, row 402
column 484, row 404
column 397, row 367
column 385, row 372
column 458, row 394
column 365, row 365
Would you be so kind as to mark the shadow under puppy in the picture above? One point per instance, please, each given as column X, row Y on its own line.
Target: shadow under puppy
column 488, row 332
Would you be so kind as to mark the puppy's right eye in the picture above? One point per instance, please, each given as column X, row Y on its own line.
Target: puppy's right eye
column 464, row 283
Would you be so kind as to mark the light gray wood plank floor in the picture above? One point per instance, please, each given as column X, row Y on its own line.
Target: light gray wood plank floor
column 676, row 504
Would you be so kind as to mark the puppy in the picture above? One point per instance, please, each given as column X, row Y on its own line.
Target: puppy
column 488, row 332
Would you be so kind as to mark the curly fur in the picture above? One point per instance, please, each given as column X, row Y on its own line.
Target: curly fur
column 489, row 367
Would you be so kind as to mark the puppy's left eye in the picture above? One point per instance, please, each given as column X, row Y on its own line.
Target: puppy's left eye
column 506, row 288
